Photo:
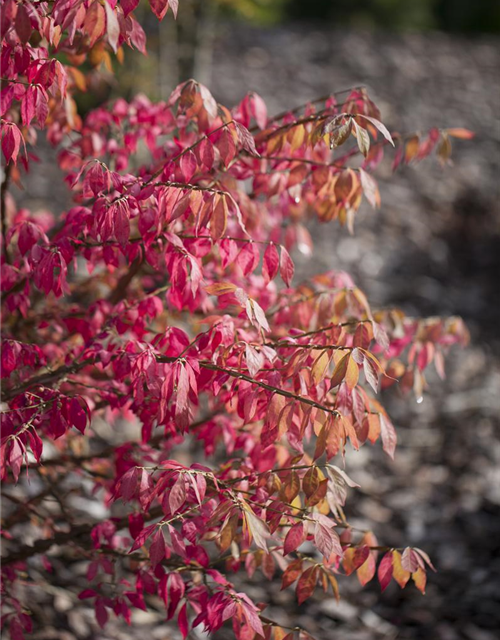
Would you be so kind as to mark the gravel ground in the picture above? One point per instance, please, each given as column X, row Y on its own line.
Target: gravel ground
column 433, row 249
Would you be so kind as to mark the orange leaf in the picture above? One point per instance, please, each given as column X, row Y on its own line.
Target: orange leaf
column 291, row 488
column 373, row 427
column 463, row 134
column 220, row 288
column 419, row 577
column 291, row 573
column 367, row 570
column 218, row 223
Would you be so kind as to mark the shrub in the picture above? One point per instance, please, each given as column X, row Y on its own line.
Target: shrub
column 160, row 359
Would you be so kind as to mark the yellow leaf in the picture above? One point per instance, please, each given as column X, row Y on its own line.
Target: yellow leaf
column 296, row 137
column 411, row 148
column 335, row 586
column 320, row 366
column 352, row 373
column 400, row 575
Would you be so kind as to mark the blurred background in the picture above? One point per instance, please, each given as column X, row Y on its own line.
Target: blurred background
column 432, row 249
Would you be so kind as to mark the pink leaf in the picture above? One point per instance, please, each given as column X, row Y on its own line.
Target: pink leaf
column 188, row 165
column 378, row 125
column 16, row 454
column 388, row 434
column 287, row 268
column 157, row 549
column 177, row 495
column 112, row 27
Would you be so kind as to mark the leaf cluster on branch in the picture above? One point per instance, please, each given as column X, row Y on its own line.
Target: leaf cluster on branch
column 166, row 298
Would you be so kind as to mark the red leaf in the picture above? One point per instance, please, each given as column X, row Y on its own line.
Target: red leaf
column 23, row 24
column 128, row 6
column 270, row 264
column 360, row 556
column 28, row 105
column 142, row 537
column 384, row 572
column 294, row 538
column 291, row 573
column 307, row 584
column 36, row 444
column 226, row 146
column 176, row 589
column 77, row 414
column 11, row 142
column 248, row 258
column 128, row 484
column 159, row 8
column 16, row 629
column 182, row 621
column 100, row 613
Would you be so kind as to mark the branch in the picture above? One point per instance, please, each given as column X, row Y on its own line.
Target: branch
column 263, row 385
column 109, row 450
column 67, row 369
column 62, row 537
column 44, row 378
column 120, row 291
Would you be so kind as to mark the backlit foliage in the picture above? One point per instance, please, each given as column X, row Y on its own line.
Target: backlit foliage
column 166, row 298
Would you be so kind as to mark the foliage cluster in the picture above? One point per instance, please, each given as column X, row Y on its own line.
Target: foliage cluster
column 165, row 297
